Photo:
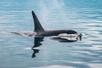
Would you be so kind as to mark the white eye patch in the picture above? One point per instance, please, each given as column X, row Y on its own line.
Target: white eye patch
column 68, row 36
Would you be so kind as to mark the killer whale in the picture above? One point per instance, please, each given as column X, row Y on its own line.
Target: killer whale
column 59, row 34
column 40, row 32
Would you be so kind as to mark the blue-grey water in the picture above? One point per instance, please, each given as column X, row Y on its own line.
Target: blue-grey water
column 84, row 16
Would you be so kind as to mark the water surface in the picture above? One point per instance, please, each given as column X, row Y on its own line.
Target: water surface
column 84, row 16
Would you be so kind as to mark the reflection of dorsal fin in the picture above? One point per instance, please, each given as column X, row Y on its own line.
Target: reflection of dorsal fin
column 37, row 25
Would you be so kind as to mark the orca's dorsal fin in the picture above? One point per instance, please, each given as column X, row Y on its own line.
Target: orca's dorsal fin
column 37, row 26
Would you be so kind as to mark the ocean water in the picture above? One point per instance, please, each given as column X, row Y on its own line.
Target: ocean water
column 84, row 16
